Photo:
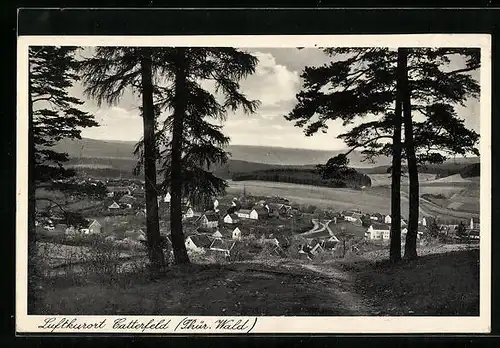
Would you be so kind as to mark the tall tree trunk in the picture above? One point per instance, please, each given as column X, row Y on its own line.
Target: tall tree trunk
column 33, row 267
column 180, row 104
column 156, row 256
column 395, row 247
column 411, row 235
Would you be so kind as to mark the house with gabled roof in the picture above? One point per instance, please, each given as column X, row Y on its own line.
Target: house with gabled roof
column 378, row 231
column 167, row 197
column 231, row 219
column 244, row 213
column 197, row 242
column 330, row 243
column 221, row 233
column 353, row 217
column 223, row 245
column 236, row 234
column 119, row 189
column 282, row 241
column 377, row 217
column 113, row 206
column 209, row 220
column 217, row 234
column 136, row 235
column 317, row 248
column 94, row 227
column 277, row 209
column 187, row 212
column 259, row 214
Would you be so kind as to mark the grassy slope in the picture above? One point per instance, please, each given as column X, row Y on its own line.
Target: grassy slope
column 439, row 284
column 435, row 284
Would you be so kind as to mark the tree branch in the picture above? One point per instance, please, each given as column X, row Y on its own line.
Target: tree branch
column 366, row 143
column 52, row 201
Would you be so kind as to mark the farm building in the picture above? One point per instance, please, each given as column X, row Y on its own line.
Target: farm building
column 136, row 235
column 231, row 219
column 208, row 220
column 197, row 242
column 224, row 246
column 383, row 232
column 114, row 206
column 217, row 234
column 277, row 209
column 94, row 227
column 378, row 232
column 236, row 233
column 376, row 217
column 222, row 232
column 353, row 217
column 282, row 241
column 388, row 220
column 119, row 189
column 244, row 213
column 216, row 204
column 259, row 214
column 187, row 212
column 423, row 222
column 330, row 243
column 167, row 197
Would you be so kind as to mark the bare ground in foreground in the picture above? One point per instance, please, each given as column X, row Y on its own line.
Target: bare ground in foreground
column 442, row 282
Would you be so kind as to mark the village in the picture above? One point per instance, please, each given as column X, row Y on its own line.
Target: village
column 225, row 228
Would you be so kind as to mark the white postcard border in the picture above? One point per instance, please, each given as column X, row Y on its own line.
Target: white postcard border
column 481, row 324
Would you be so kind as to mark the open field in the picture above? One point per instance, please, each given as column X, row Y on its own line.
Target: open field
column 371, row 200
column 385, row 179
column 338, row 198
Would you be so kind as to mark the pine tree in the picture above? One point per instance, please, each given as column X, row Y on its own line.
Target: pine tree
column 107, row 75
column 53, row 114
column 433, row 92
column 190, row 143
column 365, row 84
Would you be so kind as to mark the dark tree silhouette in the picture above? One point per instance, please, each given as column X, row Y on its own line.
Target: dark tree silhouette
column 189, row 143
column 53, row 114
column 107, row 75
column 362, row 82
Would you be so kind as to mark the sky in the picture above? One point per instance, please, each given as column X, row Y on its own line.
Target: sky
column 275, row 83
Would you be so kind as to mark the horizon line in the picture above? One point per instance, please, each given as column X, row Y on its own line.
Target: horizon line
column 281, row 147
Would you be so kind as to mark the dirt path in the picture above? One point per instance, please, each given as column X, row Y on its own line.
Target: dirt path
column 335, row 282
column 345, row 293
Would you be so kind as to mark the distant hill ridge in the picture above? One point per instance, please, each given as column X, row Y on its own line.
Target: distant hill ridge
column 118, row 156
column 93, row 148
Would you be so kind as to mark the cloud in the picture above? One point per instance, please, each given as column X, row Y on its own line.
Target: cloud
column 115, row 123
column 272, row 83
column 275, row 83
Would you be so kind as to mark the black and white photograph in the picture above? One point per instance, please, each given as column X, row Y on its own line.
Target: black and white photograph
column 271, row 179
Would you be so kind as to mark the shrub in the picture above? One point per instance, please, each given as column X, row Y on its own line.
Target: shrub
column 102, row 257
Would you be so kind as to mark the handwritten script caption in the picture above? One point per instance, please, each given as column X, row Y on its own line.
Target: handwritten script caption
column 149, row 325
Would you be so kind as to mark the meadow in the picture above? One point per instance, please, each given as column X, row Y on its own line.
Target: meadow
column 371, row 200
